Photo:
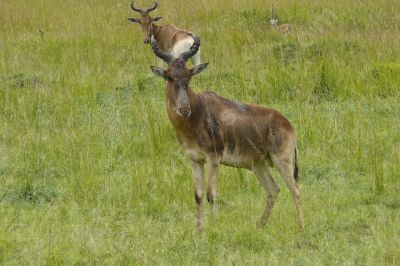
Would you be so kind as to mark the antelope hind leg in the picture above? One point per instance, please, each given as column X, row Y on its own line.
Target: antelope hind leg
column 267, row 181
column 284, row 166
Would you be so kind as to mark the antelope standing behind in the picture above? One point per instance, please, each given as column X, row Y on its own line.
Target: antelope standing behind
column 274, row 23
column 169, row 38
column 215, row 130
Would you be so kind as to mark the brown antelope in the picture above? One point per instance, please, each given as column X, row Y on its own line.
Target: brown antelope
column 284, row 28
column 214, row 130
column 169, row 38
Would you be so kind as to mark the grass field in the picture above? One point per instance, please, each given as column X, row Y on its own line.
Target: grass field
column 91, row 172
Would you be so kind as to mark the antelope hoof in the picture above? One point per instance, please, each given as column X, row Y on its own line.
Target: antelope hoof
column 301, row 225
column 200, row 228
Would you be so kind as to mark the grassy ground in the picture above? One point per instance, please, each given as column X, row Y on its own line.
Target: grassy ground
column 90, row 171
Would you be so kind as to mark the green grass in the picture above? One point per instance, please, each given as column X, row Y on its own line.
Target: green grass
column 91, row 172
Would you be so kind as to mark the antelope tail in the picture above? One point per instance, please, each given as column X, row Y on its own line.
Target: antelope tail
column 296, row 166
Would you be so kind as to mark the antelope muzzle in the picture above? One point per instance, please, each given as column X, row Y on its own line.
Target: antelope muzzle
column 183, row 108
column 184, row 111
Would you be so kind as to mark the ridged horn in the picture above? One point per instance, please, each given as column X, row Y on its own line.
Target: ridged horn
column 273, row 11
column 152, row 8
column 193, row 50
column 164, row 56
column 136, row 9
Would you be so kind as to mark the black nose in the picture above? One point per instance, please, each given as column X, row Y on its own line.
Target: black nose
column 185, row 111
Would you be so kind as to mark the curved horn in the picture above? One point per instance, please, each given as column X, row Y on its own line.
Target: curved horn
column 193, row 50
column 164, row 56
column 136, row 9
column 152, row 8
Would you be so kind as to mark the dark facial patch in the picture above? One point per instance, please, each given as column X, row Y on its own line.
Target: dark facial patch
column 145, row 18
column 178, row 63
column 179, row 73
column 179, row 69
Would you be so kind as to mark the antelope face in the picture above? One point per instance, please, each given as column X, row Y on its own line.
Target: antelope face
column 145, row 21
column 146, row 24
column 274, row 22
column 178, row 77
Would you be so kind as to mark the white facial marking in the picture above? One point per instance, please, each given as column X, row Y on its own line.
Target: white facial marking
column 274, row 22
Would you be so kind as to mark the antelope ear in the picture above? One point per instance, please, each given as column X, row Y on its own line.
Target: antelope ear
column 198, row 69
column 156, row 19
column 158, row 71
column 134, row 20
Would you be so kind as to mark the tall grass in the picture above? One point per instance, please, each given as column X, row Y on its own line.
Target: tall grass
column 91, row 172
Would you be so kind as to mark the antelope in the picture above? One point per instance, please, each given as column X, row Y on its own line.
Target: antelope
column 215, row 130
column 169, row 38
column 274, row 23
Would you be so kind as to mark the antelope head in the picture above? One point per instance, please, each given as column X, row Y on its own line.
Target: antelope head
column 274, row 20
column 145, row 20
column 178, row 76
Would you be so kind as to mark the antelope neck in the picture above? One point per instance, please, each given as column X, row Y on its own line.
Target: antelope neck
column 154, row 31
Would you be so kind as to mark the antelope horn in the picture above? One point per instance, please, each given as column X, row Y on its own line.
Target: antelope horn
column 193, row 50
column 136, row 9
column 273, row 10
column 164, row 56
column 152, row 8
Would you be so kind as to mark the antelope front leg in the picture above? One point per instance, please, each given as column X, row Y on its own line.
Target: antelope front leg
column 213, row 164
column 198, row 174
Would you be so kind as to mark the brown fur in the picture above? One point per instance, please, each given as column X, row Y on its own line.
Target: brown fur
column 214, row 130
column 219, row 126
column 284, row 28
column 166, row 36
